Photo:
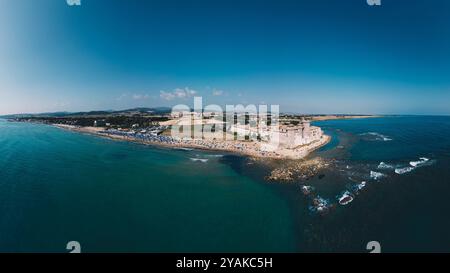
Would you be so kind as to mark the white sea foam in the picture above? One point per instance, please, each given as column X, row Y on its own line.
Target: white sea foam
column 214, row 155
column 203, row 160
column 404, row 170
column 423, row 161
column 320, row 205
column 420, row 162
column 376, row 175
column 357, row 188
column 361, row 185
column 383, row 165
column 377, row 136
column 307, row 189
column 345, row 198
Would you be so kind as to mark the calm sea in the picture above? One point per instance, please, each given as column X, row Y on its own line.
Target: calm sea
column 58, row 186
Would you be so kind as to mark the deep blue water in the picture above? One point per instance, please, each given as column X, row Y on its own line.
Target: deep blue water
column 406, row 137
column 57, row 186
column 405, row 212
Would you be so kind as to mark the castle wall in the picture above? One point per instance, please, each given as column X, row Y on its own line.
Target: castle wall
column 288, row 136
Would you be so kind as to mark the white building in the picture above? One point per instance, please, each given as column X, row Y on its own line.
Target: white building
column 291, row 136
column 287, row 136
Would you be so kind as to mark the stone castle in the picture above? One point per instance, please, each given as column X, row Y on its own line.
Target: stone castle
column 288, row 136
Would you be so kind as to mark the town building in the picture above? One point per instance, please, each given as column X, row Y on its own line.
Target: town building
column 286, row 136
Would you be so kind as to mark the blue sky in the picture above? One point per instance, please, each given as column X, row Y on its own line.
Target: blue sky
column 315, row 56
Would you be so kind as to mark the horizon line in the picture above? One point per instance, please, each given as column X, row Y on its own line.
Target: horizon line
column 287, row 112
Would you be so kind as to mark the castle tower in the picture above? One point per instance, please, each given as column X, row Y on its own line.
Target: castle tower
column 306, row 132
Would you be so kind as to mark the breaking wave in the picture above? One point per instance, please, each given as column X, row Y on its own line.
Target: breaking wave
column 307, row 190
column 404, row 170
column 203, row 160
column 320, row 205
column 360, row 186
column 376, row 175
column 383, row 165
column 185, row 149
column 423, row 161
column 374, row 136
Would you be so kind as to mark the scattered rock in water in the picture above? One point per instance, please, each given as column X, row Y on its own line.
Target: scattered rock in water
column 290, row 171
column 281, row 174
column 358, row 187
column 376, row 175
column 345, row 198
column 320, row 205
column 307, row 190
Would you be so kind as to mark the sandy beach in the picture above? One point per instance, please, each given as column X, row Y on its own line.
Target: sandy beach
column 335, row 117
column 248, row 148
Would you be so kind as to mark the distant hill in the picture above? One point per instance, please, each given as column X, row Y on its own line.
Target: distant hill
column 141, row 110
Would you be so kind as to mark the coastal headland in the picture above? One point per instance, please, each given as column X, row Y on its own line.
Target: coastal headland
column 247, row 148
column 292, row 137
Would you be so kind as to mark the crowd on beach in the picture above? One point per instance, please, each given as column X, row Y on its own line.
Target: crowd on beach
column 248, row 147
column 155, row 135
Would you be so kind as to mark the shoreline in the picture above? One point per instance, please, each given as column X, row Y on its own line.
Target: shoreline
column 343, row 117
column 244, row 148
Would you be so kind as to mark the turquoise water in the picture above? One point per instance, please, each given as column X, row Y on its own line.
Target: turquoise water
column 58, row 186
